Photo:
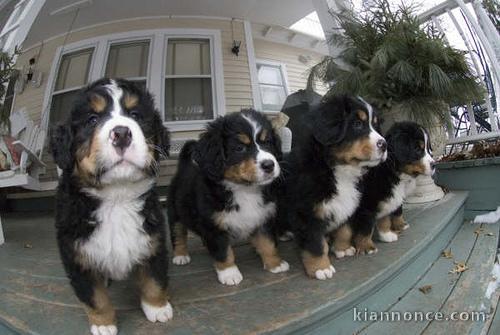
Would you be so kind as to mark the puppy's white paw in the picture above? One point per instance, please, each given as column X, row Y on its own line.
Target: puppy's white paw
column 372, row 251
column 103, row 330
column 283, row 267
column 388, row 236
column 181, row 260
column 230, row 276
column 351, row 251
column 339, row 253
column 325, row 273
column 155, row 313
column 406, row 226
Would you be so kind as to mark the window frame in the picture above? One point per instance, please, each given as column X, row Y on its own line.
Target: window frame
column 157, row 63
column 187, row 123
column 284, row 75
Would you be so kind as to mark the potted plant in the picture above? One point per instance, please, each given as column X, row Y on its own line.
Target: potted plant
column 400, row 65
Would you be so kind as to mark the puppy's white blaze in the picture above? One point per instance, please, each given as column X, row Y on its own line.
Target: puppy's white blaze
column 155, row 313
column 119, row 241
column 230, row 276
column 252, row 212
column 343, row 204
column 136, row 155
column 377, row 156
column 262, row 155
column 427, row 160
column 399, row 192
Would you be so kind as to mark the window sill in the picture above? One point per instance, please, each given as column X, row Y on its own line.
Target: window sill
column 186, row 125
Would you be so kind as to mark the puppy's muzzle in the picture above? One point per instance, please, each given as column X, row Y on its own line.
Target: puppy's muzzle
column 121, row 138
column 267, row 166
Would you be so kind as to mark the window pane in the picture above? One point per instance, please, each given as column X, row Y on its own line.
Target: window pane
column 273, row 97
column 74, row 69
column 128, row 60
column 61, row 106
column 188, row 57
column 188, row 99
column 269, row 75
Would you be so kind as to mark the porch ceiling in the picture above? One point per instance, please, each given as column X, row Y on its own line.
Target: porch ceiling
column 271, row 12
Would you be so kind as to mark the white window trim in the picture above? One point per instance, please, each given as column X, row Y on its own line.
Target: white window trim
column 156, row 65
column 284, row 74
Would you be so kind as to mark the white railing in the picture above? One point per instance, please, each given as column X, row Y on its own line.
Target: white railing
column 481, row 29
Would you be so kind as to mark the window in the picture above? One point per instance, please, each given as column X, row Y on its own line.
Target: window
column 129, row 60
column 182, row 68
column 73, row 74
column 272, row 85
column 188, row 80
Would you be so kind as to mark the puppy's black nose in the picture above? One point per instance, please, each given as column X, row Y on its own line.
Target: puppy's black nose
column 121, row 137
column 267, row 165
column 382, row 145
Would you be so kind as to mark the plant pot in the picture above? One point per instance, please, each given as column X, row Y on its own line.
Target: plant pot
column 480, row 177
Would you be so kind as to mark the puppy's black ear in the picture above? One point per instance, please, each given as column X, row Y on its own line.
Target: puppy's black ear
column 61, row 140
column 209, row 151
column 162, row 136
column 328, row 120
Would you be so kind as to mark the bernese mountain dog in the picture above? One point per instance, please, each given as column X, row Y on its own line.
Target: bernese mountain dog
column 109, row 221
column 386, row 186
column 321, row 189
column 224, row 191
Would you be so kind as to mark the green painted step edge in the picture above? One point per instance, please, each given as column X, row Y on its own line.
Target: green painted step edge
column 338, row 319
column 443, row 283
column 469, row 163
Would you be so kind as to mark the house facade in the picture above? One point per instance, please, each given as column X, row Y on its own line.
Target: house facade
column 198, row 66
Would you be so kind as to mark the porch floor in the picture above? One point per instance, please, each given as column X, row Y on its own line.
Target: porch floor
column 35, row 297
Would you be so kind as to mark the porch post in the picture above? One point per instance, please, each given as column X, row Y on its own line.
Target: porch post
column 252, row 65
column 324, row 9
column 2, row 238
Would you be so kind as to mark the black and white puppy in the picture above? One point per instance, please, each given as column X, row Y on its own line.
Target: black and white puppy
column 109, row 221
column 386, row 186
column 224, row 191
column 322, row 184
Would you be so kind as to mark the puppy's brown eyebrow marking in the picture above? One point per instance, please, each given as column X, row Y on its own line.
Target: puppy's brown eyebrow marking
column 421, row 144
column 130, row 100
column 244, row 138
column 375, row 119
column 98, row 103
column 362, row 115
column 263, row 135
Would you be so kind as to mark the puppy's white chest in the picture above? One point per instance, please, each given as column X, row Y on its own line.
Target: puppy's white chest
column 119, row 241
column 247, row 214
column 342, row 205
column 398, row 194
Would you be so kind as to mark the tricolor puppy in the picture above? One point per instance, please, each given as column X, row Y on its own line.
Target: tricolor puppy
column 386, row 186
column 109, row 221
column 322, row 186
column 224, row 191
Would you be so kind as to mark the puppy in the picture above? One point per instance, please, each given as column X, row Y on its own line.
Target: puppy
column 109, row 221
column 224, row 191
column 321, row 188
column 386, row 186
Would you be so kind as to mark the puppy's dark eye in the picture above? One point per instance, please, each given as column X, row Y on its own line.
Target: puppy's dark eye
column 92, row 120
column 358, row 124
column 241, row 148
column 135, row 115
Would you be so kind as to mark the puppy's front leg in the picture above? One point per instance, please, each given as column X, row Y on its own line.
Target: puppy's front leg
column 91, row 291
column 342, row 245
column 315, row 258
column 398, row 224
column 385, row 234
column 266, row 248
column 220, row 249
column 152, row 276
